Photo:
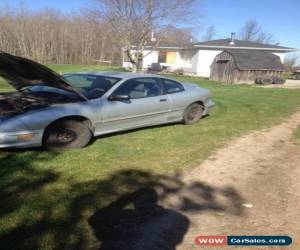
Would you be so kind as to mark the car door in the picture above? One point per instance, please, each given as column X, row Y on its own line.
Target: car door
column 147, row 105
column 178, row 99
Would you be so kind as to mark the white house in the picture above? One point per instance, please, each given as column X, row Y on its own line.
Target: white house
column 197, row 58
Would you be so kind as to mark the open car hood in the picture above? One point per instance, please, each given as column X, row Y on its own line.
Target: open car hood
column 21, row 72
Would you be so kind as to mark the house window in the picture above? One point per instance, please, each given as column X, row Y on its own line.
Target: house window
column 168, row 57
column 171, row 57
column 162, row 56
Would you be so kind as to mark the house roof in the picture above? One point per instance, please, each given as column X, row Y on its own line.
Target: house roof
column 221, row 44
column 256, row 60
column 240, row 44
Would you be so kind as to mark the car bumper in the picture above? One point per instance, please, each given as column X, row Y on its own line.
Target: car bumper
column 209, row 105
column 21, row 139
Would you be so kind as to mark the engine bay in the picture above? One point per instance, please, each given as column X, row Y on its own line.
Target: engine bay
column 17, row 102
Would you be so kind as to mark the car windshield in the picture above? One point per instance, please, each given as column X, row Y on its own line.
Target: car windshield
column 92, row 86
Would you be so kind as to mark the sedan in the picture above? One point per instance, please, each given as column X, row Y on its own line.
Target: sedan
column 66, row 112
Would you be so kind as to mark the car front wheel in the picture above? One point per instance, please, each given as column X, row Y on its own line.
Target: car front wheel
column 193, row 114
column 67, row 134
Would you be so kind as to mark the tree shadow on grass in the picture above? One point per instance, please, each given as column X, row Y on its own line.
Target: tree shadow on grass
column 41, row 210
column 145, row 226
column 21, row 182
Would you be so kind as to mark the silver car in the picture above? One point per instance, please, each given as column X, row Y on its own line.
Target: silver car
column 63, row 112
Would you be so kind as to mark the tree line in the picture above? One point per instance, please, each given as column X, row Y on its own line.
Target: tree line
column 86, row 37
column 51, row 37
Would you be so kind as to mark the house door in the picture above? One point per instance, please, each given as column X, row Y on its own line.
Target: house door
column 221, row 70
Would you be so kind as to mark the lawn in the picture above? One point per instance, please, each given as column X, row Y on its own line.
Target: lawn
column 46, row 198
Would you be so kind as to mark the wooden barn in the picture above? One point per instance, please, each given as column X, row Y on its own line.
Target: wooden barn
column 244, row 66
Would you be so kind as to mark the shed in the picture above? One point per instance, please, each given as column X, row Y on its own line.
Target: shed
column 242, row 66
column 296, row 69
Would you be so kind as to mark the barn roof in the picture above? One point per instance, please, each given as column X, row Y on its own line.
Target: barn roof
column 256, row 60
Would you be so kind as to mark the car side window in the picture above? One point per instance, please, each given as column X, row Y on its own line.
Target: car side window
column 140, row 88
column 172, row 86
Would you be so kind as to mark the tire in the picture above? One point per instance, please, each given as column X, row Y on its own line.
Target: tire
column 281, row 81
column 66, row 134
column 258, row 80
column 275, row 80
column 266, row 81
column 193, row 114
column 278, row 80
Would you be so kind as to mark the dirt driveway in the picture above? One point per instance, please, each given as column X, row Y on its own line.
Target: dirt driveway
column 261, row 174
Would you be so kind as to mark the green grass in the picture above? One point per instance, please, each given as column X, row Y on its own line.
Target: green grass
column 4, row 87
column 67, row 68
column 286, row 75
column 46, row 198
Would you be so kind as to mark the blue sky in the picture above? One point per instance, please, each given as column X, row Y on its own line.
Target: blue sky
column 279, row 17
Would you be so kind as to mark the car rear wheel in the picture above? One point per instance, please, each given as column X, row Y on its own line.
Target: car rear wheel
column 67, row 134
column 193, row 114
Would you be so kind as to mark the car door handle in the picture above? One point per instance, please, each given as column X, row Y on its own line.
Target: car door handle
column 163, row 100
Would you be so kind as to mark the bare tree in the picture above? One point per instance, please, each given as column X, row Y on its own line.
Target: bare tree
column 134, row 21
column 174, row 36
column 50, row 37
column 291, row 61
column 252, row 31
column 210, row 33
column 90, row 37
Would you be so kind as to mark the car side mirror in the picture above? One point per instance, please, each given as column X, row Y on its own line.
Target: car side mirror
column 119, row 98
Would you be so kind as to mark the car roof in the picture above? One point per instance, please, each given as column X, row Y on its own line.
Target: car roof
column 123, row 75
